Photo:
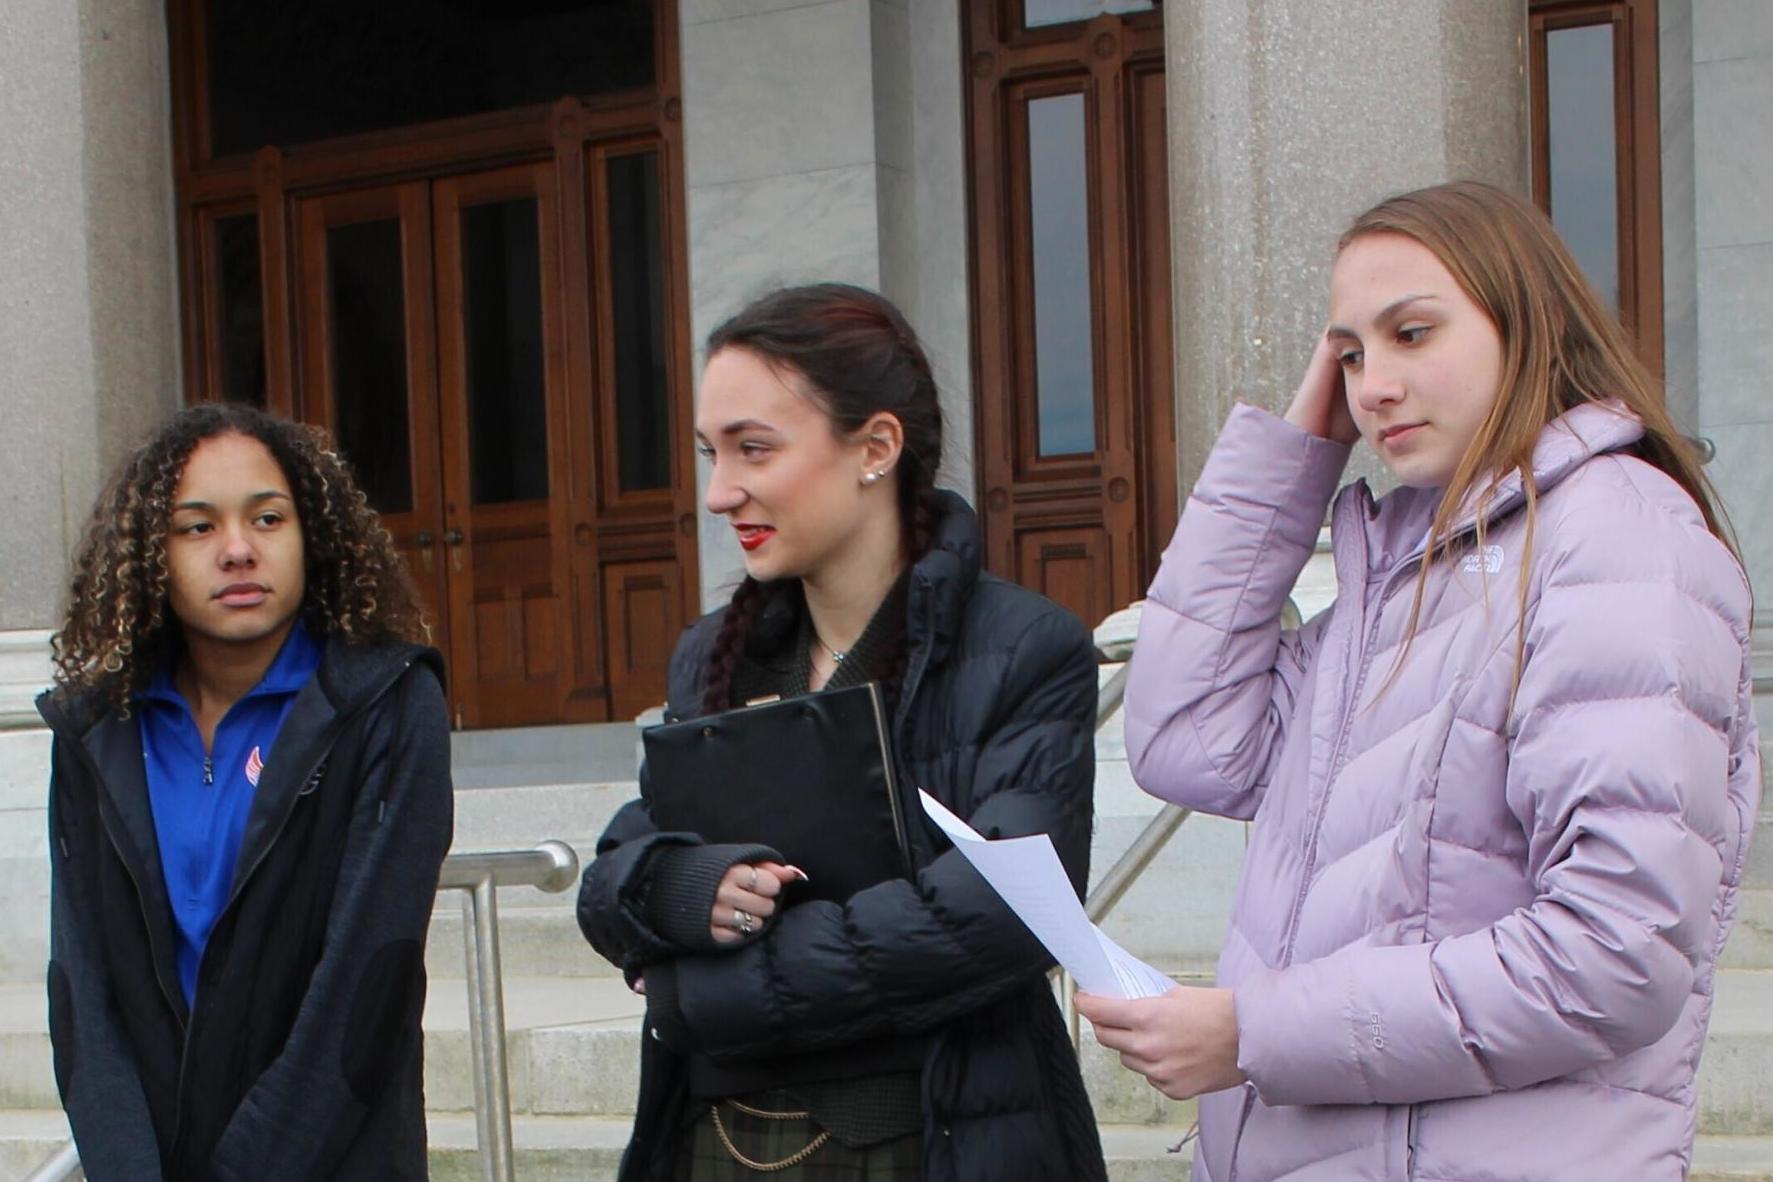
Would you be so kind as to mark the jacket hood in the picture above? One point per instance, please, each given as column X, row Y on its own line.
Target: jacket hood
column 353, row 673
column 942, row 581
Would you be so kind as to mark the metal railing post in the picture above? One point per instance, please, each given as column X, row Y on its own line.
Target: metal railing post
column 476, row 1049
column 551, row 866
column 1126, row 870
column 486, row 1026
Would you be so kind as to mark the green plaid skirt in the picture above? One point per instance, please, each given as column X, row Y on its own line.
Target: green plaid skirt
column 766, row 1141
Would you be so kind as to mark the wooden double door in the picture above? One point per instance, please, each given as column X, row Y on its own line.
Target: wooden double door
column 1071, row 265
column 447, row 333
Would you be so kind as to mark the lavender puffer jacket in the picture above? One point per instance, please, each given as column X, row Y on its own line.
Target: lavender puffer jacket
column 1474, row 939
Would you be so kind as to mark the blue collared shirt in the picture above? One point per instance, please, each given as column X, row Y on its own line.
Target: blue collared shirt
column 201, row 800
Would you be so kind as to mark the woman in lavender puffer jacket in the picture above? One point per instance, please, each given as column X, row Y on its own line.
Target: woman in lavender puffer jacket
column 1502, row 790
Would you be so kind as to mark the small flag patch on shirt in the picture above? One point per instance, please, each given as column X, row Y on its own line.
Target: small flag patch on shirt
column 254, row 767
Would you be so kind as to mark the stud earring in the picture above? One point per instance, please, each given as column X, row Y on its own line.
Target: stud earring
column 870, row 477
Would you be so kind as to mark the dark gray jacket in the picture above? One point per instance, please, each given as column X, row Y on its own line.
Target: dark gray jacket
column 996, row 719
column 301, row 1060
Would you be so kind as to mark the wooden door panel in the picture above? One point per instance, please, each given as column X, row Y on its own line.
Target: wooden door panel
column 345, row 348
column 501, row 405
column 1069, row 566
column 516, row 616
column 1148, row 245
column 1071, row 301
column 635, row 501
column 645, row 600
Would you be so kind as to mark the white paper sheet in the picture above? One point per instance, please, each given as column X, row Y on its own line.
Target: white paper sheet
column 1027, row 873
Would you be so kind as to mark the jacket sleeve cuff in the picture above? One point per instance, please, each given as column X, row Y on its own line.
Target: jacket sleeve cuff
column 1262, row 459
column 685, row 880
column 1256, row 509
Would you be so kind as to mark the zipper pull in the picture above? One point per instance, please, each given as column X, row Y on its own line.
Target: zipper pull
column 208, row 771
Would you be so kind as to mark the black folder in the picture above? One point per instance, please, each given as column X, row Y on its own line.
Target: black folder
column 811, row 777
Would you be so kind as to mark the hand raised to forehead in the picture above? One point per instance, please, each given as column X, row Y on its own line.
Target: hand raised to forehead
column 1320, row 405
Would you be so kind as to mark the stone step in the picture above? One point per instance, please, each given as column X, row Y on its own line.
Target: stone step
column 28, row 1137
column 534, row 941
column 1751, row 942
column 1736, row 1073
column 1732, row 1159
column 573, row 1049
column 518, row 816
column 1759, row 870
column 595, row 751
column 1175, row 915
column 580, row 1149
column 589, row 1149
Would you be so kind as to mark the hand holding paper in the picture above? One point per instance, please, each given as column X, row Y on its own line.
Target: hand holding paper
column 1027, row 873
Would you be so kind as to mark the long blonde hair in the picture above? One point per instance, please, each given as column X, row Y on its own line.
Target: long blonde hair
column 1561, row 347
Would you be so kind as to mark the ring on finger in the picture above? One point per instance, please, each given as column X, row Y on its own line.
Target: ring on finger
column 743, row 922
column 753, row 887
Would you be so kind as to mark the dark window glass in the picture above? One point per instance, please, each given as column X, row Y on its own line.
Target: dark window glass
column 1064, row 365
column 502, row 314
column 1582, row 150
column 366, row 301
column 291, row 73
column 637, row 281
column 1058, row 12
column 240, row 304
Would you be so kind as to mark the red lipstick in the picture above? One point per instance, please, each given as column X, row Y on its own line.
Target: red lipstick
column 752, row 536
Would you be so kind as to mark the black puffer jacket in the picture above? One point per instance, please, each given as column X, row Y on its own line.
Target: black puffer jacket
column 996, row 720
column 301, row 1061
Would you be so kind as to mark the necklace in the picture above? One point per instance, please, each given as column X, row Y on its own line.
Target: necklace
column 836, row 657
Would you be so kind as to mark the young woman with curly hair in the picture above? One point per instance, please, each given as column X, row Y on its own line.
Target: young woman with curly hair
column 1501, row 792
column 249, row 803
column 908, row 1031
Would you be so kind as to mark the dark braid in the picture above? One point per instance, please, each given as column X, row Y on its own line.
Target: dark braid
column 860, row 358
column 729, row 643
column 920, row 530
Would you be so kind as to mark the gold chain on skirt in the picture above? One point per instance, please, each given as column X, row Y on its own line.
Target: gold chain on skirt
column 766, row 1167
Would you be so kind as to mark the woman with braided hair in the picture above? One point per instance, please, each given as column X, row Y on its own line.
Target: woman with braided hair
column 907, row 1032
column 249, row 803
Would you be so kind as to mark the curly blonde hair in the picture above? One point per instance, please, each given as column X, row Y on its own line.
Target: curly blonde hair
column 117, row 628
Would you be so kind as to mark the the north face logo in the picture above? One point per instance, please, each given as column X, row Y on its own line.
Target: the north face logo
column 1487, row 561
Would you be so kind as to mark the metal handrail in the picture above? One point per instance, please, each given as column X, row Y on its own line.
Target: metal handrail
column 1111, row 695
column 1132, row 863
column 552, row 866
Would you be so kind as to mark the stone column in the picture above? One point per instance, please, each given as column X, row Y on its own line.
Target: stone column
column 1287, row 118
column 811, row 155
column 88, row 281
column 88, row 345
column 1732, row 92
